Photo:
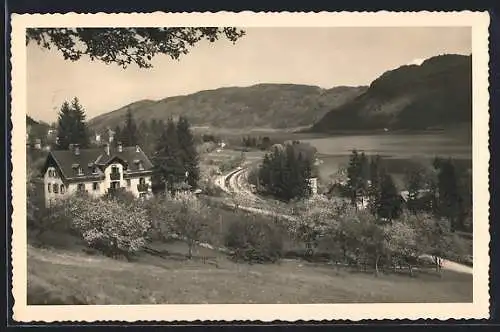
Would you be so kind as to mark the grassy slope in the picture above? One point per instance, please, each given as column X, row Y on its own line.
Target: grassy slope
column 70, row 276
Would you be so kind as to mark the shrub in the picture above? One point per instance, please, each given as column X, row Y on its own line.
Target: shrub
column 189, row 220
column 182, row 215
column 254, row 239
column 208, row 187
column 120, row 194
column 232, row 163
column 54, row 218
column 110, row 226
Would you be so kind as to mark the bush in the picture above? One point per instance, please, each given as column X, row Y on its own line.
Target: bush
column 121, row 195
column 254, row 239
column 49, row 220
column 109, row 225
column 232, row 163
column 182, row 215
column 208, row 187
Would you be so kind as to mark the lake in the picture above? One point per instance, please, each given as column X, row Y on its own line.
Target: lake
column 399, row 151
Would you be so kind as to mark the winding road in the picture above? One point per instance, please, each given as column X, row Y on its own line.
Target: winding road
column 235, row 182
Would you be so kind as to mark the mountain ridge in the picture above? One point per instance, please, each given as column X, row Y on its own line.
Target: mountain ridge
column 437, row 93
column 265, row 105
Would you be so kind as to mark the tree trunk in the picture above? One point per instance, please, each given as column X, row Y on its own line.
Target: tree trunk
column 376, row 265
column 437, row 261
column 190, row 249
column 410, row 268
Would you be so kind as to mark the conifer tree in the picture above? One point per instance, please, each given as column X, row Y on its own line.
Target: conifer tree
column 265, row 171
column 129, row 134
column 354, row 177
column 285, row 173
column 168, row 166
column 71, row 126
column 376, row 175
column 187, row 151
column 414, row 183
column 117, row 137
column 305, row 176
column 448, row 201
column 390, row 204
column 81, row 134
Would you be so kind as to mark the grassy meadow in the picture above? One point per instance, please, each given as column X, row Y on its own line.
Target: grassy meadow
column 68, row 273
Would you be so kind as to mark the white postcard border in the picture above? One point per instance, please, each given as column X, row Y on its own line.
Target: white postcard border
column 478, row 21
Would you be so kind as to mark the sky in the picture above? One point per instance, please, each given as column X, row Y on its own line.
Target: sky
column 325, row 57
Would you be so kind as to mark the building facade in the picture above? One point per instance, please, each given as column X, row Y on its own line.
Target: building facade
column 96, row 171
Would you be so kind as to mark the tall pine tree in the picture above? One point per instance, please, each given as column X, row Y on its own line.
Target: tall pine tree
column 357, row 177
column 71, row 126
column 449, row 198
column 415, row 182
column 377, row 172
column 129, row 134
column 117, row 137
column 187, row 151
column 390, row 202
column 169, row 169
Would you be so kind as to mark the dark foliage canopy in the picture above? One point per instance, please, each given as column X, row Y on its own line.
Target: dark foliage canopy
column 124, row 46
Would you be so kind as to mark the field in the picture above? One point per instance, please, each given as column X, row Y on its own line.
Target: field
column 67, row 275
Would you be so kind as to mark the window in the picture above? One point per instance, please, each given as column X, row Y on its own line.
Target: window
column 94, row 170
column 95, row 186
column 142, row 195
column 115, row 184
column 115, row 173
column 81, row 187
column 62, row 188
column 128, row 182
column 55, row 188
column 141, row 167
column 142, row 181
column 80, row 171
column 49, row 188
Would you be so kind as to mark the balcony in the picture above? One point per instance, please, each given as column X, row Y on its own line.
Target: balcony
column 115, row 176
column 142, row 187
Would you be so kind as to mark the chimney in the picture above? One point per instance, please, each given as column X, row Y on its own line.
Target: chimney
column 76, row 149
column 106, row 148
column 120, row 146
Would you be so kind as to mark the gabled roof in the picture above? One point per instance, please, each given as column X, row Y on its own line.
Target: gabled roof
column 68, row 162
column 129, row 155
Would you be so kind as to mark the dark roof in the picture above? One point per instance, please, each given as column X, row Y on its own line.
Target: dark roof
column 68, row 162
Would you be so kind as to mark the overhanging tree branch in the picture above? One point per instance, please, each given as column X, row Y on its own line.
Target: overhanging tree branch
column 124, row 46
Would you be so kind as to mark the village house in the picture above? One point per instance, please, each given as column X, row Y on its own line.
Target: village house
column 37, row 145
column 96, row 171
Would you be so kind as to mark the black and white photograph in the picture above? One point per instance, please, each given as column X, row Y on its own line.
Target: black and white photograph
column 246, row 164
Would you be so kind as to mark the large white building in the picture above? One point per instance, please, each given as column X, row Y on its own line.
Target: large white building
column 95, row 171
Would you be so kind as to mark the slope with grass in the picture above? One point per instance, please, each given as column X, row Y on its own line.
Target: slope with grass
column 258, row 106
column 71, row 276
